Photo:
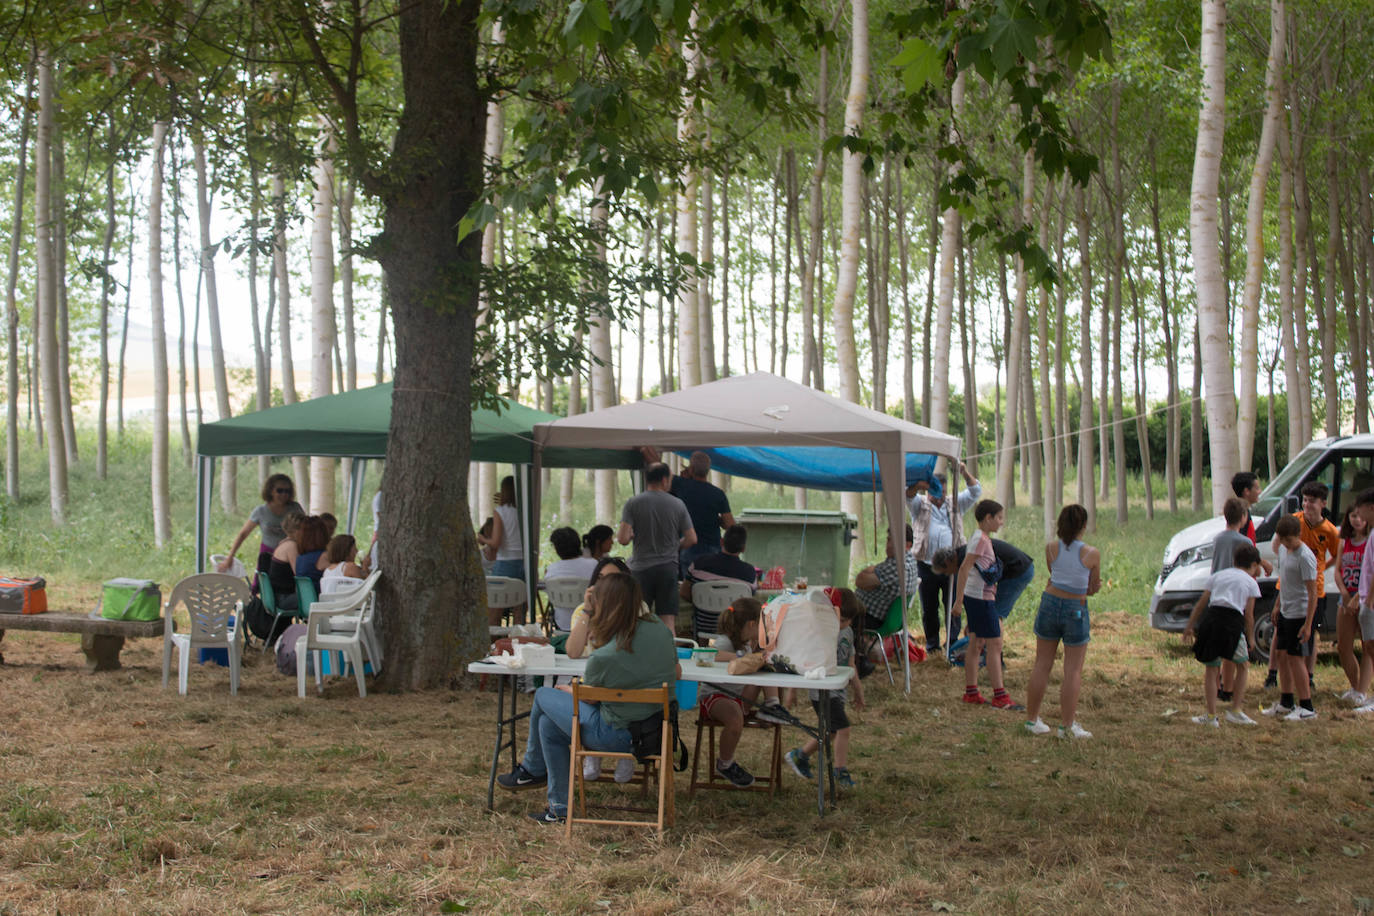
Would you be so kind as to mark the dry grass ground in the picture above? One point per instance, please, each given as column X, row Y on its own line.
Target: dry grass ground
column 120, row 797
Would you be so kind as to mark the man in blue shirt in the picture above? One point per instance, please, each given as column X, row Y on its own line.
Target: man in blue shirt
column 708, row 506
column 938, row 524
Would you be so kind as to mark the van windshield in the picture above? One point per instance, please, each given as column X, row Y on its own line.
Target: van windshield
column 1288, row 478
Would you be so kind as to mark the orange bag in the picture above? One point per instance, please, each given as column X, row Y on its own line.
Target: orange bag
column 26, row 596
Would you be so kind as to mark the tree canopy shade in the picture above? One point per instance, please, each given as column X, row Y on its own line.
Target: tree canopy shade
column 357, row 424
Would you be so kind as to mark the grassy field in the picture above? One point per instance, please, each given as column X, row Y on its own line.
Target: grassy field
column 121, row 797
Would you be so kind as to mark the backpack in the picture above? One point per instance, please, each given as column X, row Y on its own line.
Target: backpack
column 646, row 736
column 259, row 620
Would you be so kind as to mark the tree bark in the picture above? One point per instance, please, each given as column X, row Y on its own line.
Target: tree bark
column 602, row 368
column 1014, row 347
column 689, row 322
column 47, row 353
column 162, row 514
column 1254, row 238
column 810, row 265
column 11, row 302
column 64, row 337
column 1118, row 221
column 187, row 452
column 1208, row 278
column 349, row 379
column 949, row 246
column 324, row 333
column 228, row 467
column 1087, row 492
column 1172, row 417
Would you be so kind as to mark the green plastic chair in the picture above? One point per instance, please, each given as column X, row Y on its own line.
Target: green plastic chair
column 269, row 601
column 893, row 624
column 306, row 594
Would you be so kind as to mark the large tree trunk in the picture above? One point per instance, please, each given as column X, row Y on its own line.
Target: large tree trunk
column 229, row 497
column 47, row 353
column 162, row 511
column 602, row 368
column 949, row 246
column 434, row 614
column 12, row 303
column 324, row 333
column 1254, row 239
column 1211, row 285
column 851, row 226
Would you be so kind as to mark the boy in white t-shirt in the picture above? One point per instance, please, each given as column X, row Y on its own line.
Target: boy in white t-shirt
column 1227, row 632
column 1299, row 591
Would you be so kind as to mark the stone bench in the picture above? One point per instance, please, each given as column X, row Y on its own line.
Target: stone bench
column 101, row 639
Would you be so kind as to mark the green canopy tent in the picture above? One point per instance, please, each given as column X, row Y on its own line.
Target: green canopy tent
column 356, row 425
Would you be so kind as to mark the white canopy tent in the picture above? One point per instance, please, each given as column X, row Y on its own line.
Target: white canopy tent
column 760, row 409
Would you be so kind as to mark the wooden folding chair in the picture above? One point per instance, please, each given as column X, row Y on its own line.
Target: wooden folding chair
column 660, row 764
column 713, row 779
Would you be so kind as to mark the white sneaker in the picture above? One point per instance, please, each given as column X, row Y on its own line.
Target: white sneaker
column 1366, row 707
column 1278, row 709
column 1206, row 720
column 591, row 768
column 624, row 770
column 1037, row 727
column 1238, row 717
column 1300, row 715
column 1074, row 730
column 1354, row 696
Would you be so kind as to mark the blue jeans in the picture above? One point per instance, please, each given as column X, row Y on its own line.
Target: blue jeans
column 548, row 749
column 1064, row 620
column 1008, row 590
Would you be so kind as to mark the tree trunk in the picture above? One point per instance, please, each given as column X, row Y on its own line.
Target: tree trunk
column 706, row 254
column 434, row 617
column 1053, row 490
column 1195, row 421
column 324, row 333
column 1304, row 248
column 689, row 327
column 187, row 452
column 1087, row 492
column 968, row 336
column 602, row 368
column 949, row 246
column 1142, row 400
column 1014, row 347
column 162, row 513
column 810, row 265
column 262, row 377
column 47, row 353
column 128, row 296
column 1171, row 432
column 1118, row 222
column 64, row 337
column 1287, row 343
column 349, row 378
column 229, row 467
column 908, row 322
column 934, row 246
column 1211, row 285
column 1254, row 239
column 11, row 302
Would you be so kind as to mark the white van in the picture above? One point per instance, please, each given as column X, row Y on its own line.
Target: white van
column 1345, row 464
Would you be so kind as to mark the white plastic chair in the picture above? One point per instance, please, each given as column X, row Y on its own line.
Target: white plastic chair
column 564, row 591
column 710, row 598
column 337, row 589
column 352, row 607
column 210, row 600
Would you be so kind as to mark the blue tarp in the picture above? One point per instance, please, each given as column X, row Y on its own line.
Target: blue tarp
column 813, row 467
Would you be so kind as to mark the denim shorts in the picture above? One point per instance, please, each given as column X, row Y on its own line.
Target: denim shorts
column 511, row 569
column 1063, row 620
column 983, row 621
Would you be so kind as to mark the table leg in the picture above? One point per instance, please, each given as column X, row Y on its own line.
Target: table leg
column 504, row 721
column 823, row 751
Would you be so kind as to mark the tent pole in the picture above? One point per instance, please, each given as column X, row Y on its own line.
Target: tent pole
column 528, row 525
column 891, row 466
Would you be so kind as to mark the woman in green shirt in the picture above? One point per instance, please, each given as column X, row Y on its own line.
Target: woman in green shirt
column 628, row 651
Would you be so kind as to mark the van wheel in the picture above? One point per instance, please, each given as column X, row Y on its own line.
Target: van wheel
column 1264, row 632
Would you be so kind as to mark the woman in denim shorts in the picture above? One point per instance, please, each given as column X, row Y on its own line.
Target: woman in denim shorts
column 1075, row 573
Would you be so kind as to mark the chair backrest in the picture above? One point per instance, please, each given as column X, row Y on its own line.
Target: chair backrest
column 337, row 585
column 506, row 592
column 712, row 597
column 267, row 592
column 662, row 695
column 306, row 594
column 894, row 619
column 356, row 601
column 209, row 599
column 565, row 591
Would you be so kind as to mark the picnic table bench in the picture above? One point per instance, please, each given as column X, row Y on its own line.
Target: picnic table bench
column 101, row 639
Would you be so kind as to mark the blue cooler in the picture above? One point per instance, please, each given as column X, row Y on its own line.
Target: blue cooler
column 218, row 656
column 327, row 664
column 686, row 690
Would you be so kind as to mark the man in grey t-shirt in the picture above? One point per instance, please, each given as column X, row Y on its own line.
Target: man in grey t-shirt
column 660, row 527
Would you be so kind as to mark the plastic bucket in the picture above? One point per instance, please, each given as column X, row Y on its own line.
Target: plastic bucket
column 686, row 690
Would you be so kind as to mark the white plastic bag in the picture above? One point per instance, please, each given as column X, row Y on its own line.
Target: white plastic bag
column 803, row 630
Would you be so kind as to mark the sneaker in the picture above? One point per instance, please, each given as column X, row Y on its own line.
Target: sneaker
column 774, row 713
column 1206, row 720
column 799, row 762
column 624, row 770
column 1074, row 731
column 1037, row 727
column 548, row 816
column 975, row 698
column 1301, row 714
column 1271, row 680
column 1238, row 717
column 843, row 779
column 591, row 768
column 1006, row 702
column 1278, row 709
column 1364, row 707
column 739, row 777
column 1354, row 696
column 520, row 778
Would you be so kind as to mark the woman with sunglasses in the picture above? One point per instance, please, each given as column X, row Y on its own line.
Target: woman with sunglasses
column 278, row 499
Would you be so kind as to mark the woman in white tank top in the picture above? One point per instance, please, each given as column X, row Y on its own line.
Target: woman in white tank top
column 1075, row 573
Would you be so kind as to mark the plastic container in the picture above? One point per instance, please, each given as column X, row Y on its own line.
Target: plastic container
column 704, row 657
column 810, row 544
column 686, row 690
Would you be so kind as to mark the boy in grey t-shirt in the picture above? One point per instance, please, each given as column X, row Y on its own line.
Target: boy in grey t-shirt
column 1298, row 592
column 1224, row 544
